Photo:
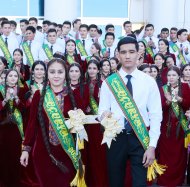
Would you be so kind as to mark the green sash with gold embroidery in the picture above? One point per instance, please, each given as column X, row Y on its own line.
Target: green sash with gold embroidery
column 148, row 49
column 16, row 114
column 93, row 105
column 180, row 56
column 70, row 59
column 29, row 82
column 6, row 52
column 183, row 122
column 58, row 123
column 47, row 51
column 28, row 53
column 128, row 107
column 82, row 50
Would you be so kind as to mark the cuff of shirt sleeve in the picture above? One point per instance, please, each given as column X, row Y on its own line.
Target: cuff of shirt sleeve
column 153, row 143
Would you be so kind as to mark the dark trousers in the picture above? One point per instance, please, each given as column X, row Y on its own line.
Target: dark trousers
column 126, row 146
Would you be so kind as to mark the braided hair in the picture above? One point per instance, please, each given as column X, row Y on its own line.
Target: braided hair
column 176, row 69
column 59, row 164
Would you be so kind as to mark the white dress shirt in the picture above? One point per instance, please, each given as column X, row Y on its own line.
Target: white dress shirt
column 61, row 42
column 56, row 48
column 88, row 44
column 182, row 45
column 155, row 40
column 147, row 98
column 39, row 37
column 36, row 50
column 12, row 44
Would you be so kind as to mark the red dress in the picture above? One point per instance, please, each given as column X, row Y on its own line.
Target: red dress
column 148, row 59
column 10, row 146
column 48, row 174
column 96, row 163
column 78, row 59
column 28, row 176
column 170, row 150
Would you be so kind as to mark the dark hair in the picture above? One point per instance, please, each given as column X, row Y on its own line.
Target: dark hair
column 24, row 21
column 3, row 19
column 4, row 60
column 12, row 22
column 75, row 52
column 97, row 46
column 75, row 21
column 60, row 26
column 38, row 28
column 95, row 62
column 149, row 25
column 165, row 30
column 169, row 56
column 166, row 43
column 33, row 19
column 46, row 22
column 81, row 79
column 54, row 24
column 102, row 63
column 31, row 28
column 145, row 52
column 96, row 58
column 109, row 34
column 93, row 26
column 127, row 40
column 18, row 50
column 183, row 67
column 84, row 26
column 108, row 26
column 67, row 23
column 99, row 31
column 5, row 22
column 9, row 107
column 126, row 22
column 60, row 165
column 179, row 32
column 51, row 30
column 159, row 54
column 132, row 35
column 116, row 60
column 173, row 29
column 177, row 70
column 155, row 66
column 37, row 62
column 143, row 66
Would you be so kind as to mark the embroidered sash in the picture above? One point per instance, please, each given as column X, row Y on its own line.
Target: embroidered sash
column 6, row 52
column 183, row 122
column 180, row 56
column 93, row 105
column 128, row 107
column 16, row 114
column 70, row 59
column 28, row 53
column 148, row 49
column 58, row 123
column 47, row 51
column 82, row 49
